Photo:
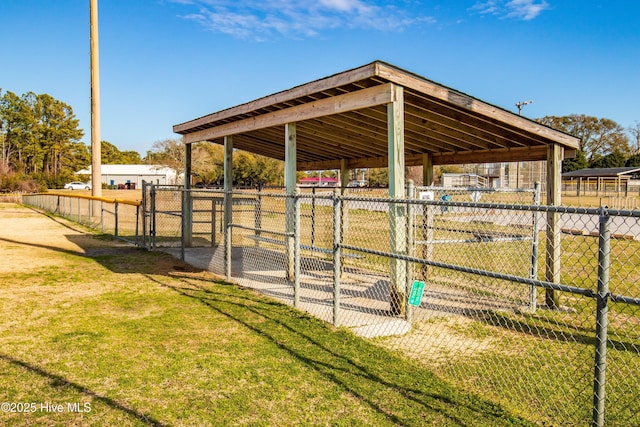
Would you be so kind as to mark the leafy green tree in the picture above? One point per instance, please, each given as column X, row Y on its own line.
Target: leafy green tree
column 634, row 132
column 111, row 155
column 578, row 162
column 130, row 157
column 245, row 170
column 36, row 131
column 598, row 136
column 614, row 160
column 633, row 161
column 17, row 123
column 252, row 170
column 207, row 163
column 379, row 177
column 169, row 152
column 57, row 128
column 271, row 171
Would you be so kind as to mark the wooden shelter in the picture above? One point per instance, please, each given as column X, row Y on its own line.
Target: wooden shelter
column 379, row 115
column 601, row 180
column 344, row 118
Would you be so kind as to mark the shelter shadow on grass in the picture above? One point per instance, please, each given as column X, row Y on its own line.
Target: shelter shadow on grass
column 390, row 387
column 374, row 375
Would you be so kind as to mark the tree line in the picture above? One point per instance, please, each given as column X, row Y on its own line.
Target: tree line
column 40, row 143
column 41, row 147
column 603, row 142
column 207, row 164
column 39, row 137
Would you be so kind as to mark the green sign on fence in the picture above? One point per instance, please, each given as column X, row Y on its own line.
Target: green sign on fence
column 416, row 293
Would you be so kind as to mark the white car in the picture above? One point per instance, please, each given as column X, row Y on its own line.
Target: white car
column 77, row 186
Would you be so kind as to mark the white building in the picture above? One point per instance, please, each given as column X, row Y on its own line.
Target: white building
column 115, row 175
column 463, row 180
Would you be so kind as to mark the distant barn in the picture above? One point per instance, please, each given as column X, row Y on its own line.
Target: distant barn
column 131, row 176
column 602, row 181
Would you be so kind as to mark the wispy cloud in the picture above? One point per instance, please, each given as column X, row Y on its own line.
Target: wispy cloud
column 266, row 19
column 517, row 9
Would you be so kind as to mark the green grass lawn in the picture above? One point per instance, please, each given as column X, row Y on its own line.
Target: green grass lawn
column 141, row 339
column 138, row 329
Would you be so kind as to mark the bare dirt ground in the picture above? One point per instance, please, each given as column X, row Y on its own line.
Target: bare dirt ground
column 27, row 231
column 27, row 238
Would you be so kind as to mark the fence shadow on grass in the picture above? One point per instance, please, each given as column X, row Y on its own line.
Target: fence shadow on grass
column 544, row 328
column 400, row 391
column 59, row 381
column 383, row 381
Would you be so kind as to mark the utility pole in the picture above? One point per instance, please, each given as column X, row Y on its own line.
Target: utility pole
column 96, row 172
column 2, row 170
column 521, row 104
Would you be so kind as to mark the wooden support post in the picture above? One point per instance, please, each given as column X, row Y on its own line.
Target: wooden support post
column 228, row 202
column 427, row 217
column 344, row 206
column 290, row 188
column 578, row 189
column 626, row 188
column 187, row 203
column 397, row 214
column 345, row 173
column 554, row 173
column 427, row 169
column 618, row 186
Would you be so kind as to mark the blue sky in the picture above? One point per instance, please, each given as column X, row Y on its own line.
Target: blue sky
column 163, row 62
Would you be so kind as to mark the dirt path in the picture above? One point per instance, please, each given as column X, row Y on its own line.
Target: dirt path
column 41, row 235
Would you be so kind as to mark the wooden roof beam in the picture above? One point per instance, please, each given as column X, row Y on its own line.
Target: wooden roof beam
column 469, row 105
column 486, row 156
column 452, row 122
column 326, row 83
column 377, row 95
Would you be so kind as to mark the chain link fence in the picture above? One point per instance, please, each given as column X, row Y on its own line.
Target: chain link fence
column 120, row 218
column 533, row 307
column 162, row 213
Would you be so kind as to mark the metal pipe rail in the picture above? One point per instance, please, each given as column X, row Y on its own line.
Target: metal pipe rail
column 76, row 213
column 261, row 230
column 480, row 272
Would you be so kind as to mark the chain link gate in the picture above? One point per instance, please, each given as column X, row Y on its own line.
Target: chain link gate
column 162, row 216
column 482, row 321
